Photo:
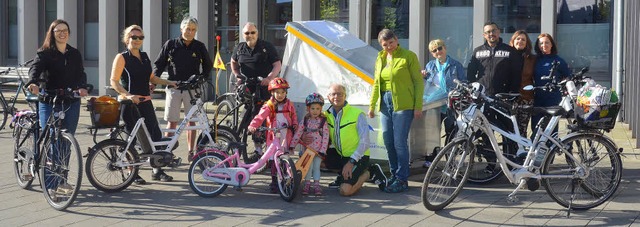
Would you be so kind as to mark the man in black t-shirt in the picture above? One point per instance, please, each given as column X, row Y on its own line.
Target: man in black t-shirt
column 256, row 58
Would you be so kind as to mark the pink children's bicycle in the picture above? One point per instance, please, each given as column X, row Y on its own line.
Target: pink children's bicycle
column 212, row 170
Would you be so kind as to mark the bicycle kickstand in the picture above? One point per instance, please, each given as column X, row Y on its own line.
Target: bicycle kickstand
column 512, row 198
column 573, row 195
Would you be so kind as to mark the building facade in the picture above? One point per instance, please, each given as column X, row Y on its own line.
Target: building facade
column 586, row 31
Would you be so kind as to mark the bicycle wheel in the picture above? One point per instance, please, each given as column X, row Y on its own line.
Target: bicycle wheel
column 224, row 135
column 4, row 111
column 485, row 167
column 102, row 167
column 602, row 179
column 197, row 181
column 288, row 178
column 448, row 172
column 225, row 114
column 61, row 171
column 23, row 165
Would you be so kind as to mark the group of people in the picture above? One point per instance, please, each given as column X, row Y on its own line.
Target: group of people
column 341, row 130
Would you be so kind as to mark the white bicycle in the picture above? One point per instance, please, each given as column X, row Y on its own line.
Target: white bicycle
column 112, row 164
column 579, row 171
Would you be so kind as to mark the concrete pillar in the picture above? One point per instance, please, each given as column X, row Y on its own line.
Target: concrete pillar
column 548, row 17
column 4, row 37
column 27, row 29
column 109, row 37
column 302, row 10
column 249, row 13
column 200, row 10
column 418, row 28
column 68, row 11
column 358, row 24
column 152, row 26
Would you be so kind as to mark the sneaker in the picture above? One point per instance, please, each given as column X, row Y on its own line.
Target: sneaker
column 377, row 175
column 305, row 189
column 336, row 183
column 138, row 180
column 64, row 189
column 161, row 176
column 426, row 164
column 273, row 187
column 397, row 186
column 190, row 156
column 317, row 189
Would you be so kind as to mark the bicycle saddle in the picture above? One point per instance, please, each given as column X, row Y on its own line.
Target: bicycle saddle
column 548, row 111
column 508, row 96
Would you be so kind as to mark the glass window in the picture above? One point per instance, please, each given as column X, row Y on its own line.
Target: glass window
column 583, row 36
column 50, row 14
column 276, row 14
column 178, row 9
column 333, row 10
column 226, row 13
column 391, row 14
column 91, row 30
column 133, row 13
column 516, row 15
column 13, row 30
column 443, row 16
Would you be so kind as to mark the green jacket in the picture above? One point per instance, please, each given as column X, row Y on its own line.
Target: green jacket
column 407, row 86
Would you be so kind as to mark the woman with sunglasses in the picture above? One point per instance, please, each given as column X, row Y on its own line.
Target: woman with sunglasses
column 439, row 73
column 131, row 75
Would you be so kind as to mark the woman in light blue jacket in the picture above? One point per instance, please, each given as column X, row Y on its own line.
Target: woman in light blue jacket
column 439, row 74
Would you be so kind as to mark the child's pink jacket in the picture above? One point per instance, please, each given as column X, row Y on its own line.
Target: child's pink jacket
column 266, row 114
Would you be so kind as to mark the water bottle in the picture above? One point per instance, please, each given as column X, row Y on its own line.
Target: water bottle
column 571, row 88
column 540, row 153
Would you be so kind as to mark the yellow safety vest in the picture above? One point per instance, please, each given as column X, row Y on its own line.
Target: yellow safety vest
column 345, row 138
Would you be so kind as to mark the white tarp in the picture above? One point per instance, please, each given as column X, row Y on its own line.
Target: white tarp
column 319, row 53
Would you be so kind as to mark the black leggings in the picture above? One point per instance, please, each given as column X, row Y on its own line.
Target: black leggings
column 146, row 110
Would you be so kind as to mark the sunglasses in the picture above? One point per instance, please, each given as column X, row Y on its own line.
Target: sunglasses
column 436, row 49
column 250, row 33
column 135, row 37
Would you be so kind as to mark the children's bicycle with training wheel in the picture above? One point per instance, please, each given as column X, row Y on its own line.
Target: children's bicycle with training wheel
column 212, row 170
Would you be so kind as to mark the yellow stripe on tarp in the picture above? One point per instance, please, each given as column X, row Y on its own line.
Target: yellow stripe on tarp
column 330, row 54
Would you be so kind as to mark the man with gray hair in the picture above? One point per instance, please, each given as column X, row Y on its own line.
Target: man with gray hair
column 182, row 57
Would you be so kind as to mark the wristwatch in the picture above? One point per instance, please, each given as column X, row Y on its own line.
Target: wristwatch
column 352, row 161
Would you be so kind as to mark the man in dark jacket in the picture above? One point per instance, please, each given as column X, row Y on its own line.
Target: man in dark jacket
column 495, row 64
column 182, row 57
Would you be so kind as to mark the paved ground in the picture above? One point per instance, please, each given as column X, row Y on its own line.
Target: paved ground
column 173, row 204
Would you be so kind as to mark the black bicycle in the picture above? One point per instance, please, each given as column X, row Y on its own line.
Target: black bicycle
column 7, row 104
column 235, row 110
column 50, row 151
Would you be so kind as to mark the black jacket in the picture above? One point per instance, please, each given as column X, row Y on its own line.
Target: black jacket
column 54, row 70
column 498, row 69
column 181, row 60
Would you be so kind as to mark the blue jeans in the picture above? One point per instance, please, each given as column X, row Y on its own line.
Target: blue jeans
column 395, row 133
column 72, row 114
column 60, row 149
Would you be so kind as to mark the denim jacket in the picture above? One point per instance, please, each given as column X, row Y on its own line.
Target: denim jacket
column 454, row 70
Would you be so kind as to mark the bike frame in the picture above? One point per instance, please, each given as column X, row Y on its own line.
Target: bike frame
column 273, row 151
column 195, row 114
column 527, row 170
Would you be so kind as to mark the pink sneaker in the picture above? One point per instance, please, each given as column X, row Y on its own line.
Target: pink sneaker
column 306, row 188
column 316, row 187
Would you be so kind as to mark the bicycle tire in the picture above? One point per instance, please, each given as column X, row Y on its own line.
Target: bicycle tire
column 4, row 111
column 197, row 182
column 603, row 160
column 288, row 178
column 22, row 163
column 61, row 174
column 436, row 190
column 226, row 111
column 224, row 135
column 102, row 171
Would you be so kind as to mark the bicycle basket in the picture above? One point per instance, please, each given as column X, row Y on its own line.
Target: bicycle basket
column 597, row 116
column 104, row 112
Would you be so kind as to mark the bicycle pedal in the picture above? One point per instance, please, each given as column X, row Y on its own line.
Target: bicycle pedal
column 175, row 162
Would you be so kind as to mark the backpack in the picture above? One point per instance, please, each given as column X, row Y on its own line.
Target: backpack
column 323, row 121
